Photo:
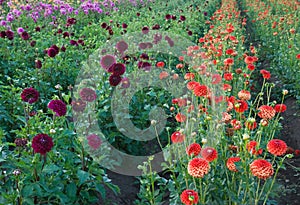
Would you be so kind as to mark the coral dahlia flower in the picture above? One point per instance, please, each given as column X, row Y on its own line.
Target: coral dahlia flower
column 266, row 112
column 277, row 147
column 244, row 95
column 231, row 163
column 180, row 117
column 177, row 137
column 189, row 197
column 201, row 90
column 261, row 168
column 193, row 149
column 266, row 74
column 198, row 167
column 209, row 153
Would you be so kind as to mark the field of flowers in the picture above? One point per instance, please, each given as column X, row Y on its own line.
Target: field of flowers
column 185, row 96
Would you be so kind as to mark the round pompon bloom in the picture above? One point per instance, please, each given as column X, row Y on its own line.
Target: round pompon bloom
column 107, row 61
column 244, row 95
column 118, row 69
column 189, row 197
column 200, row 90
column 261, row 168
column 58, row 106
column 177, row 137
column 30, row 95
column 94, row 141
column 78, row 105
column 280, row 108
column 193, row 149
column 42, row 143
column 114, row 80
column 230, row 163
column 88, row 94
column 266, row 112
column 277, row 147
column 209, row 153
column 198, row 167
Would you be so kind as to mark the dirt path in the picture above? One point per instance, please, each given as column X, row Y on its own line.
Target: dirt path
column 290, row 178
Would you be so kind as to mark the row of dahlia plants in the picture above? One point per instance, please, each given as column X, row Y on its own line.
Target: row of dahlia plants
column 43, row 160
column 225, row 150
column 56, row 38
column 275, row 25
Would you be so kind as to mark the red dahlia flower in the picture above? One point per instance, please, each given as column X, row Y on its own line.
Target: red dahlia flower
column 201, row 90
column 198, row 167
column 280, row 108
column 209, row 153
column 231, row 163
column 266, row 74
column 192, row 84
column 193, row 149
column 251, row 147
column 58, row 106
column 30, row 95
column 42, row 144
column 180, row 117
column 261, row 168
column 277, row 147
column 266, row 112
column 114, row 80
column 240, row 106
column 189, row 197
column 177, row 137
column 228, row 76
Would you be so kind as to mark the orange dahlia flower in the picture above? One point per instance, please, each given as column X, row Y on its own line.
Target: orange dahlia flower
column 230, row 163
column 277, row 147
column 261, row 168
column 198, row 167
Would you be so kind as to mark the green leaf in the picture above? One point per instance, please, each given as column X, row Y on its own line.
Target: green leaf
column 27, row 191
column 71, row 190
column 100, row 188
column 83, row 176
column 50, row 168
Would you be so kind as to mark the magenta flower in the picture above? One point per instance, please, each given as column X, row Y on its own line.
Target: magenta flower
column 107, row 61
column 88, row 94
column 42, row 143
column 25, row 36
column 51, row 52
column 9, row 34
column 118, row 69
column 78, row 105
column 121, row 46
column 58, row 106
column 94, row 141
column 114, row 80
column 30, row 95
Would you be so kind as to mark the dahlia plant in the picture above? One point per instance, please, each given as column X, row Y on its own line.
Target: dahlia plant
column 225, row 151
